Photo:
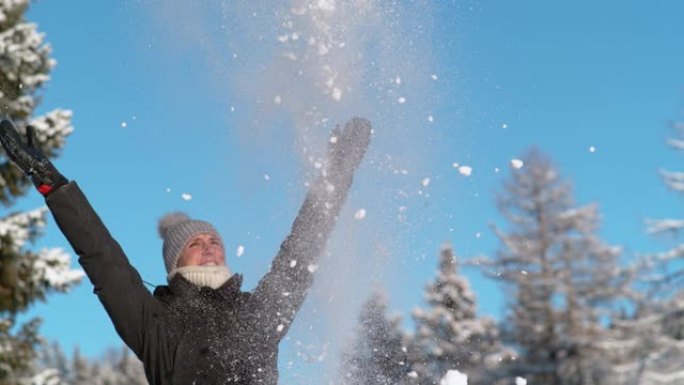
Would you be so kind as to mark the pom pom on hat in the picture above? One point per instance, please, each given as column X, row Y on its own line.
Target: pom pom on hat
column 170, row 220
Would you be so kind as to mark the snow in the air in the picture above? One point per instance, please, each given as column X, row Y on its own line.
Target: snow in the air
column 277, row 99
column 240, row 250
column 336, row 94
column 360, row 214
column 186, row 197
column 454, row 377
column 504, row 126
column 267, row 177
column 401, row 100
column 124, row 124
column 430, row 118
column 520, row 381
column 293, row 263
column 592, row 149
column 465, row 170
column 517, row 163
column 326, row 5
column 425, row 182
column 312, row 268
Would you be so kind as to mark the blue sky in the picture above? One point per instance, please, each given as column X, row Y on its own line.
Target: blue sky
column 476, row 83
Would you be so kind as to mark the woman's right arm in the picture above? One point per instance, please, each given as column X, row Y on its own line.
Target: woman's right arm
column 117, row 284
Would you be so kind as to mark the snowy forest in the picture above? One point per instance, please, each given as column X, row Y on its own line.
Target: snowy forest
column 578, row 311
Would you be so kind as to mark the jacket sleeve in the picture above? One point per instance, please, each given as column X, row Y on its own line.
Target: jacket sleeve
column 281, row 292
column 117, row 284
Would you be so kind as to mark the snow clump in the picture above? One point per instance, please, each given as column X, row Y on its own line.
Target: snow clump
column 465, row 170
column 517, row 163
column 454, row 377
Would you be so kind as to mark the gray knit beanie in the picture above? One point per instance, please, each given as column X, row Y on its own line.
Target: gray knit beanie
column 176, row 229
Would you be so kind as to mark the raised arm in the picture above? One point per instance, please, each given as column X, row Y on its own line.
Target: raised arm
column 117, row 284
column 282, row 290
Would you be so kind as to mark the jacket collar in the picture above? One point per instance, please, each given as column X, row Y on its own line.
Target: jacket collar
column 181, row 287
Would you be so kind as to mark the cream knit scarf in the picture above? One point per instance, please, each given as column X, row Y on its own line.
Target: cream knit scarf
column 212, row 276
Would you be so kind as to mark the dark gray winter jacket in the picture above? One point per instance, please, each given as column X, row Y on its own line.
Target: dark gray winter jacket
column 187, row 335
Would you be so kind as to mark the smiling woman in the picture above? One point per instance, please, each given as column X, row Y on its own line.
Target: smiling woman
column 237, row 333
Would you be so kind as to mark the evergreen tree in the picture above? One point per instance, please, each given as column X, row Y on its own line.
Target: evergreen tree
column 25, row 275
column 377, row 355
column 449, row 335
column 648, row 346
column 564, row 282
column 117, row 367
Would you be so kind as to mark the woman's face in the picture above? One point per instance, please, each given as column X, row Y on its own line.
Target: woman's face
column 202, row 250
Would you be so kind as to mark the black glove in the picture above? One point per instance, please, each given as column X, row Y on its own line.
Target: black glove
column 30, row 159
column 348, row 146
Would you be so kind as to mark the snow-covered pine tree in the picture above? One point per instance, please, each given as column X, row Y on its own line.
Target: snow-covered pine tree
column 648, row 346
column 117, row 367
column 377, row 355
column 563, row 282
column 25, row 275
column 449, row 334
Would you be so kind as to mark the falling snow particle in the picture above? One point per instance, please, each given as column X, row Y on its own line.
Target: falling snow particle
column 280, row 328
column 277, row 99
column 412, row 374
column 434, row 77
column 431, row 118
column 168, row 190
column 478, row 235
column 186, row 197
column 523, row 272
column 240, row 251
column 267, row 177
column 425, row 182
column 293, row 263
column 124, row 124
column 592, row 149
column 455, row 165
column 454, row 377
column 401, row 100
column 496, row 170
column 360, row 214
column 465, row 170
column 397, row 80
column 326, row 5
column 336, row 94
column 517, row 163
column 520, row 381
column 504, row 126
column 232, row 109
column 333, row 139
column 312, row 268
